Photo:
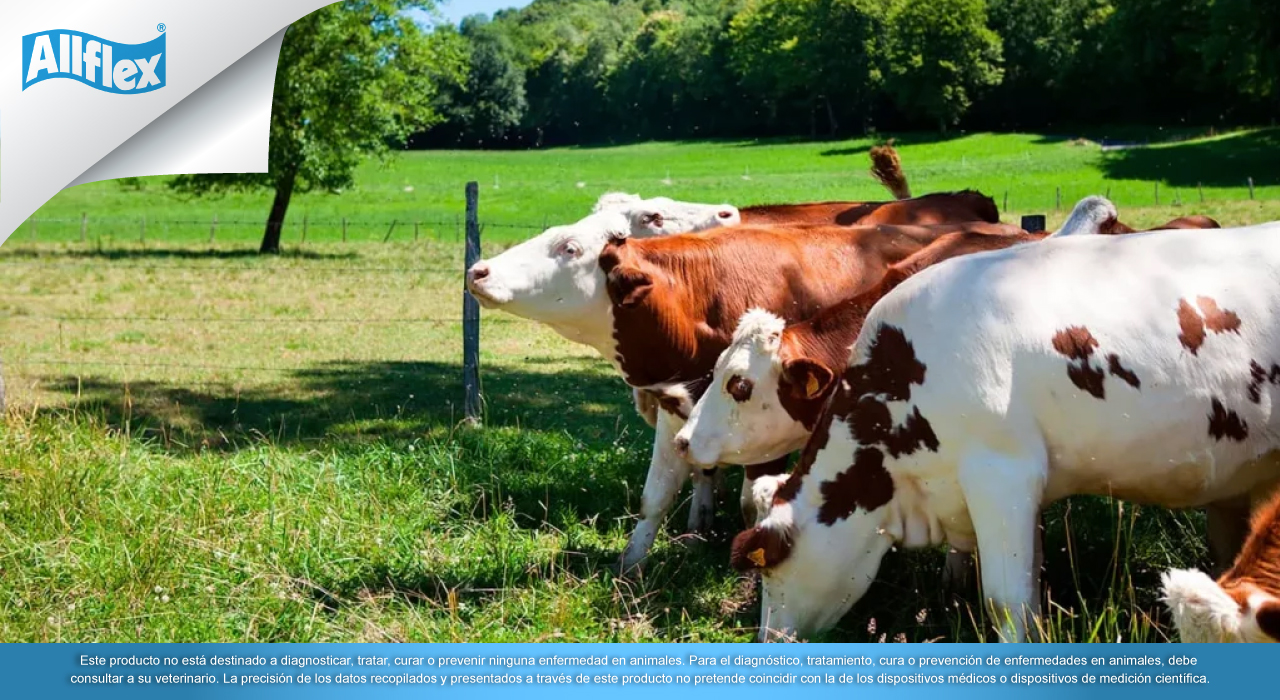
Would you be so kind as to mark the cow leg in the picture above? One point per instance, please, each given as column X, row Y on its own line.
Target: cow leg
column 750, row 473
column 1228, row 526
column 667, row 474
column 957, row 573
column 747, row 500
column 1003, row 496
column 702, row 510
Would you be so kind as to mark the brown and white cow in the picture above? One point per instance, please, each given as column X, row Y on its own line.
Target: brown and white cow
column 988, row 386
column 1243, row 605
column 675, row 302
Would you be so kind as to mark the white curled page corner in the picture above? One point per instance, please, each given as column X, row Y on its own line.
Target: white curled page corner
column 212, row 113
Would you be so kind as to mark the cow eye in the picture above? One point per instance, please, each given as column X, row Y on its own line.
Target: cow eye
column 739, row 388
column 569, row 249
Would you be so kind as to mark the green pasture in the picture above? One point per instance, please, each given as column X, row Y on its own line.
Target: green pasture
column 202, row 444
column 523, row 191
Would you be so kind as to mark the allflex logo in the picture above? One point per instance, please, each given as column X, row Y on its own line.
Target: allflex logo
column 104, row 65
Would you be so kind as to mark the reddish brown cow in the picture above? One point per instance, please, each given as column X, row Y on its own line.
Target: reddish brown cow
column 1243, row 605
column 940, row 208
column 1116, row 228
column 676, row 301
column 886, row 167
column 1194, row 221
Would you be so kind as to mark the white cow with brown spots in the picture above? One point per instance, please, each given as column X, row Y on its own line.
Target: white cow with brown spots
column 989, row 386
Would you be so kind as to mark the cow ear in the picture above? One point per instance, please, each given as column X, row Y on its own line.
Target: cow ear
column 808, row 378
column 1268, row 617
column 758, row 548
column 628, row 286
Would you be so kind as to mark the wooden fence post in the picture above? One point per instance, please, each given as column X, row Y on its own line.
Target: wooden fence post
column 344, row 229
column 213, row 229
column 471, row 313
column 304, row 228
column 1251, row 188
column 142, row 232
column 1057, row 199
column 393, row 227
column 84, row 225
column 1033, row 222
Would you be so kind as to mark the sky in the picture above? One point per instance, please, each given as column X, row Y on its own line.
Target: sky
column 455, row 10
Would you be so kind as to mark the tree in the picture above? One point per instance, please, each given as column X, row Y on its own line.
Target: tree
column 1243, row 47
column 940, row 55
column 353, row 79
column 491, row 102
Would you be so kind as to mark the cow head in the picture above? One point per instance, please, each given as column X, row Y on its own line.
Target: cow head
column 840, row 510
column 615, row 200
column 551, row 277
column 812, row 573
column 761, row 386
column 1203, row 612
column 661, row 216
column 1091, row 216
column 555, row 277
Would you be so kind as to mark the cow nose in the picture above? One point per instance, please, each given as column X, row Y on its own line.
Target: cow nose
column 478, row 272
column 682, row 446
column 726, row 215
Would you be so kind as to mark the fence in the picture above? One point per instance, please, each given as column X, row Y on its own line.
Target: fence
column 144, row 229
column 469, row 319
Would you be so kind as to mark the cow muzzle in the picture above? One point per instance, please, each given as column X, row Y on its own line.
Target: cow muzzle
column 478, row 282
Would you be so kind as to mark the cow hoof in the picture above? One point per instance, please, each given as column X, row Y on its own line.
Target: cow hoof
column 631, row 563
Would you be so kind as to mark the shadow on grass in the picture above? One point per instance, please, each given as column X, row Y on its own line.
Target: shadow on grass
column 140, row 253
column 1224, row 162
column 357, row 400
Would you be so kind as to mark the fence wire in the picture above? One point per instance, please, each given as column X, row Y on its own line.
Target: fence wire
column 263, row 320
column 37, row 262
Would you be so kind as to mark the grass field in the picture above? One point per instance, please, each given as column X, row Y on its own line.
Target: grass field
column 205, row 445
column 522, row 191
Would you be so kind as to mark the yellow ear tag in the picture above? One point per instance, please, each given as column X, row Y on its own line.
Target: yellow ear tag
column 757, row 557
column 811, row 388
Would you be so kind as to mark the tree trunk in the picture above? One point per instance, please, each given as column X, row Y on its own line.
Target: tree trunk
column 831, row 116
column 280, row 207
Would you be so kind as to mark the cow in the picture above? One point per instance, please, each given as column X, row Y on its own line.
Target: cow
column 1182, row 222
column 1243, row 605
column 770, row 385
column 674, row 304
column 938, row 208
column 988, row 386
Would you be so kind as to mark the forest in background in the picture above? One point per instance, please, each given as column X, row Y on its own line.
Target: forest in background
column 567, row 72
